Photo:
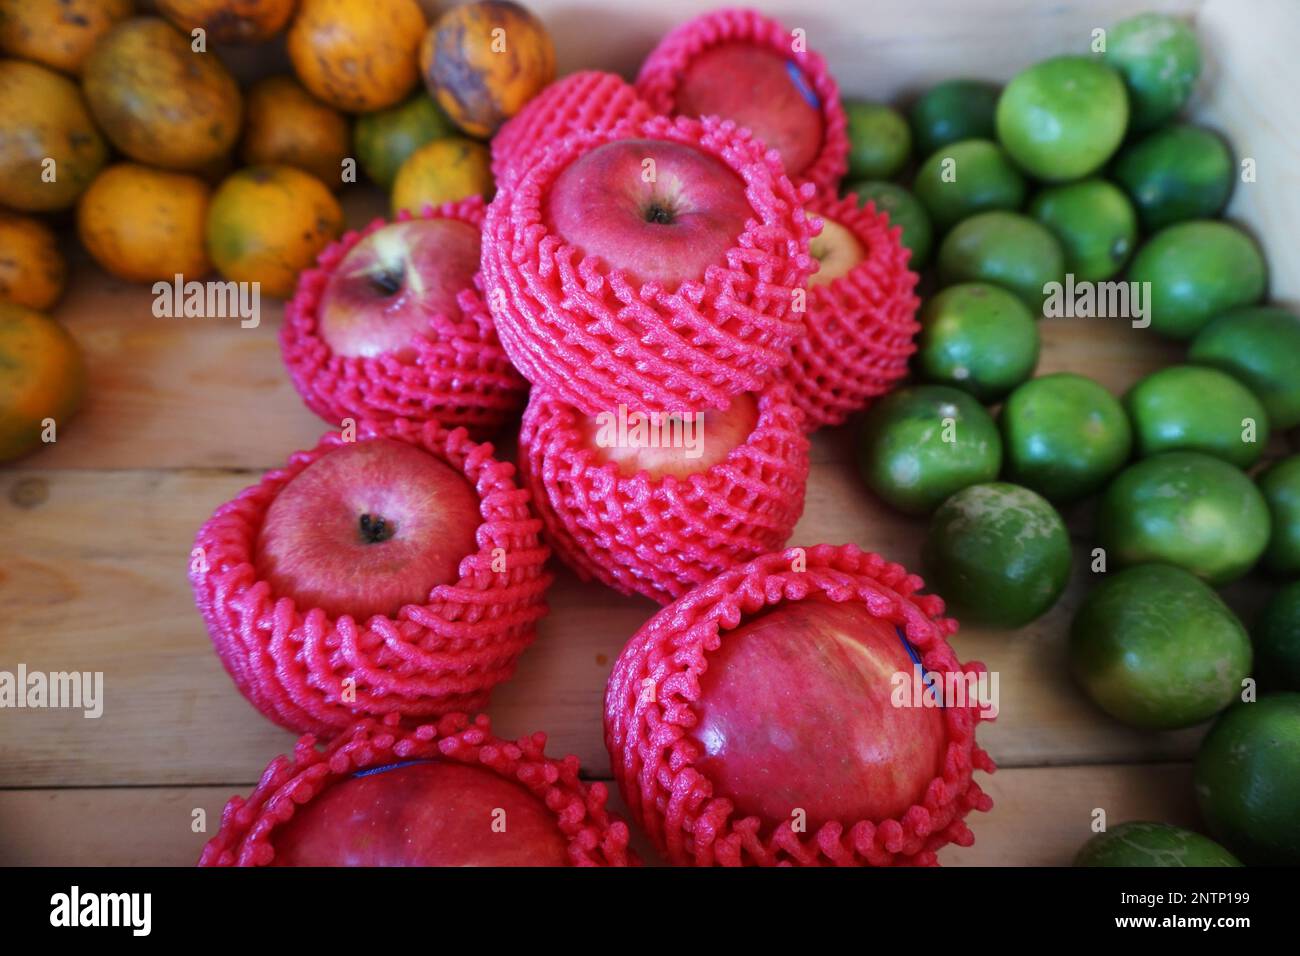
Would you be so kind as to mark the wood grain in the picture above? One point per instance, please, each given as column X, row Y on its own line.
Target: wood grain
column 95, row 530
column 99, row 584
column 1039, row 818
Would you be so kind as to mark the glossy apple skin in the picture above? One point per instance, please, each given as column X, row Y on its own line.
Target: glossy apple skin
column 836, row 250
column 795, row 712
column 383, row 292
column 754, row 87
column 422, row 814
column 714, row 437
column 313, row 547
column 667, row 231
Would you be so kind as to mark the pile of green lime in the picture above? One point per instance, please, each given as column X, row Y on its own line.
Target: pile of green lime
column 1080, row 171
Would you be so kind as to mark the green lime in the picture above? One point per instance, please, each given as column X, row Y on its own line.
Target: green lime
column 1006, row 249
column 1176, row 173
column 999, row 554
column 1152, row 844
column 1095, row 224
column 905, row 211
column 1277, row 640
column 1259, row 346
column 953, row 111
column 1198, row 269
column 978, row 338
column 964, row 178
column 1281, row 487
column 1063, row 118
column 1248, row 780
column 1156, row 648
column 920, row 444
column 1159, row 59
column 880, row 141
column 1064, row 435
column 1187, row 509
column 1195, row 408
column 386, row 138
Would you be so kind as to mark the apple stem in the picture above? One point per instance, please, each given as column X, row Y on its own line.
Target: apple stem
column 375, row 529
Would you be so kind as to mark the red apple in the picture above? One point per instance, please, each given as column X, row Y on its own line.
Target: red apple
column 381, row 295
column 796, row 712
column 428, row 813
column 759, row 89
column 836, row 250
column 368, row 528
column 687, row 443
column 664, row 221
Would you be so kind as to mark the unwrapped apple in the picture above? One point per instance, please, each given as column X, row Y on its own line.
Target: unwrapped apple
column 442, row 794
column 861, row 324
column 656, row 503
column 797, row 710
column 395, row 571
column 653, row 265
column 743, row 66
column 392, row 322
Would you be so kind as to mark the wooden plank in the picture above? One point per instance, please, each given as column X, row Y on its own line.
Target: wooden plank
column 206, row 393
column 96, row 582
column 1040, row 818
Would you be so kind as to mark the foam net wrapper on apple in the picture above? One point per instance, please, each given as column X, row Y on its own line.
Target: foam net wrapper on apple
column 315, row 674
column 649, row 716
column 457, row 375
column 861, row 327
column 587, row 100
column 662, row 72
column 661, row 537
column 591, row 338
column 595, row 836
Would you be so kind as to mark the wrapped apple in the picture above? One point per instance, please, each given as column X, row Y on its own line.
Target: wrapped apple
column 392, row 323
column 861, row 326
column 587, row 100
column 656, row 504
column 795, row 710
column 397, row 571
column 442, row 794
column 653, row 265
column 743, row 66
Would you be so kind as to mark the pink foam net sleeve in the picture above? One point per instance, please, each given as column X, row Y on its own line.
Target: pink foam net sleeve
column 663, row 69
column 592, row 339
column 595, row 836
column 586, row 100
column 457, row 373
column 656, row 681
column 661, row 537
column 315, row 674
column 861, row 327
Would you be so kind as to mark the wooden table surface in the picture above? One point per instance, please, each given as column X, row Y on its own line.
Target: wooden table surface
column 95, row 533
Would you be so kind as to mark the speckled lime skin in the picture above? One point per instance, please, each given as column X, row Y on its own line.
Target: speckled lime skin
column 998, row 553
column 1187, row 509
column 1157, row 649
column 1152, row 844
column 903, row 455
column 1248, row 780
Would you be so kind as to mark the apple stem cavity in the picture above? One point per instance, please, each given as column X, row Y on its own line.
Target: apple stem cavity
column 660, row 214
column 376, row 530
column 387, row 282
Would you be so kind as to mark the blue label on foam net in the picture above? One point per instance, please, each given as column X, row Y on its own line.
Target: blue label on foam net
column 801, row 84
